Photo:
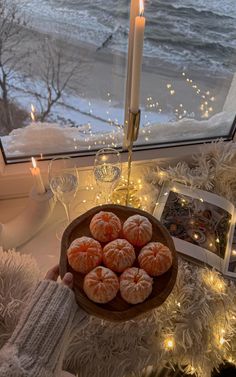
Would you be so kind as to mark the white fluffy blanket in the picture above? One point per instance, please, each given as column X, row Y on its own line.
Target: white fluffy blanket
column 17, row 274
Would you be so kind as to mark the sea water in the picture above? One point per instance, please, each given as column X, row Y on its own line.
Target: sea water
column 200, row 34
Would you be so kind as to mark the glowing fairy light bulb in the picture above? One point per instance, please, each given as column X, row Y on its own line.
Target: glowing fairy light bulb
column 221, row 341
column 213, row 281
column 169, row 343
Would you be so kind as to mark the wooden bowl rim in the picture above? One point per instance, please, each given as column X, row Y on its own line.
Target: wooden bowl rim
column 131, row 312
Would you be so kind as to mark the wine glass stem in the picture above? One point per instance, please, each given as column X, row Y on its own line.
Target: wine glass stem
column 107, row 195
column 67, row 210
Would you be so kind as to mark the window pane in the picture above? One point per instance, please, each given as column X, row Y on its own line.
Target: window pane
column 68, row 58
column 65, row 57
column 188, row 66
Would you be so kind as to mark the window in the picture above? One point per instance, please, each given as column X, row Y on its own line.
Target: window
column 68, row 60
column 188, row 83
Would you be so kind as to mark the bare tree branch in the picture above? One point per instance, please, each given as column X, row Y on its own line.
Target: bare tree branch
column 12, row 55
column 56, row 74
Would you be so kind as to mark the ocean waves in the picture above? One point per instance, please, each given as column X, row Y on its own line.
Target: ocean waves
column 182, row 32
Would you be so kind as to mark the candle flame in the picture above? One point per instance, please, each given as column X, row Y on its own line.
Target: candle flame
column 34, row 162
column 141, row 7
column 32, row 114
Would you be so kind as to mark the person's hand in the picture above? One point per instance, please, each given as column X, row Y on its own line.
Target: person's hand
column 53, row 274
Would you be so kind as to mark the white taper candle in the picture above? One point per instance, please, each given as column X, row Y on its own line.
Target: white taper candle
column 137, row 60
column 38, row 182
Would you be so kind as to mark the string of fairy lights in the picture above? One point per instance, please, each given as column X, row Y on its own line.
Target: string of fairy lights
column 206, row 98
column 114, row 136
column 214, row 282
column 180, row 111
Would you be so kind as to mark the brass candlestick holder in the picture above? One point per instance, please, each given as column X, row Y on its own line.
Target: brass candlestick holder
column 126, row 193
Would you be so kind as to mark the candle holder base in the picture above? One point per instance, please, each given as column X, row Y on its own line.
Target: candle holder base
column 126, row 194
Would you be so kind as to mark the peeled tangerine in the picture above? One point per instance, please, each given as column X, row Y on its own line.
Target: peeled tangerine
column 101, row 285
column 137, row 230
column 135, row 285
column 118, row 255
column 155, row 258
column 105, row 226
column 84, row 254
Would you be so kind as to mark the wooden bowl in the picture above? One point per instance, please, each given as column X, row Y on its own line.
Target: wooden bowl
column 118, row 309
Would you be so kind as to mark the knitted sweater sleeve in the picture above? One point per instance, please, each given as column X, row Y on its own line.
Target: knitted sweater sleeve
column 36, row 347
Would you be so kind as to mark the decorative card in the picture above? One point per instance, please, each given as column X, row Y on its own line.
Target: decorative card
column 201, row 224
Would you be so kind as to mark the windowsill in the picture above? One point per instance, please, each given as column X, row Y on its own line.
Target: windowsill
column 16, row 179
column 44, row 246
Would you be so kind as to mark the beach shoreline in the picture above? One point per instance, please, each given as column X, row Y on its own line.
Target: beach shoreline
column 103, row 78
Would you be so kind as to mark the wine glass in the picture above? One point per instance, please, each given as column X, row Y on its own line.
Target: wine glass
column 107, row 171
column 63, row 181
